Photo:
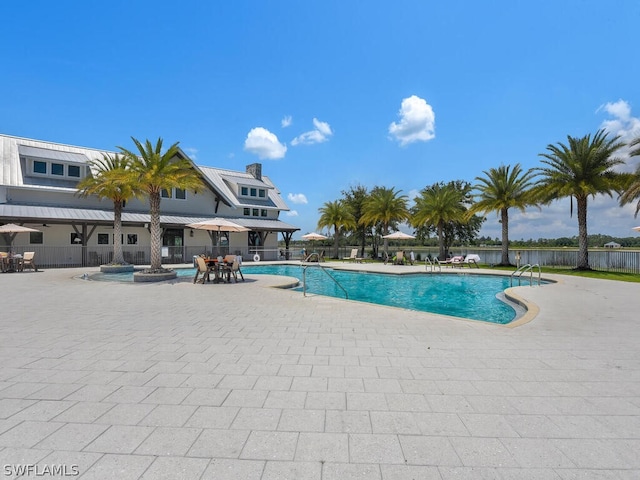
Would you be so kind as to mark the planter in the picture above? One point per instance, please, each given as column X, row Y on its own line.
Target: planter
column 116, row 268
column 154, row 277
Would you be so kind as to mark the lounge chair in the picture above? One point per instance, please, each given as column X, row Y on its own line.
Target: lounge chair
column 204, row 270
column 399, row 258
column 28, row 262
column 353, row 257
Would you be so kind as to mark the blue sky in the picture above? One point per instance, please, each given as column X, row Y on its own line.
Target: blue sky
column 328, row 95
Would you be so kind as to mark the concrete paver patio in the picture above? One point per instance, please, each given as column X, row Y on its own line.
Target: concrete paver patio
column 241, row 381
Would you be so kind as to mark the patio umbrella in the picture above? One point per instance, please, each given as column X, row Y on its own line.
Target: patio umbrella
column 637, row 229
column 219, row 225
column 399, row 236
column 13, row 228
column 313, row 236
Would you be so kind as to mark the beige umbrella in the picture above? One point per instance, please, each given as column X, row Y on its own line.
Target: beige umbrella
column 13, row 228
column 313, row 236
column 399, row 236
column 637, row 229
column 219, row 225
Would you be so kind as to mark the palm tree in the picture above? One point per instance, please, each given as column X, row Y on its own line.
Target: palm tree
column 632, row 192
column 499, row 190
column 337, row 215
column 439, row 205
column 578, row 170
column 157, row 171
column 354, row 198
column 386, row 207
column 113, row 179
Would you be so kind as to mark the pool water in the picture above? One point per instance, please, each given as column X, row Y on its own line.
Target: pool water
column 459, row 295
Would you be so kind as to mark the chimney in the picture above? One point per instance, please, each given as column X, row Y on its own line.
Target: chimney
column 255, row 170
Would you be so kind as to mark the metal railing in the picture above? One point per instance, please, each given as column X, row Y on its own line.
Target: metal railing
column 317, row 264
column 524, row 269
column 429, row 266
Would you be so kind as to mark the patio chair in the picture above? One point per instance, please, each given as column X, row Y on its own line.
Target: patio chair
column 234, row 270
column 399, row 258
column 28, row 261
column 204, row 270
column 4, row 261
column 353, row 257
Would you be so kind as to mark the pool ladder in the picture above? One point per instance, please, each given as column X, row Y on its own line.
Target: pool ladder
column 429, row 266
column 317, row 264
column 524, row 269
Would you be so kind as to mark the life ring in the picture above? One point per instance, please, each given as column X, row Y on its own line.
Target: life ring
column 256, row 258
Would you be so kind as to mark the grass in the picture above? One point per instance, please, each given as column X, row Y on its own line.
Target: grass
column 599, row 274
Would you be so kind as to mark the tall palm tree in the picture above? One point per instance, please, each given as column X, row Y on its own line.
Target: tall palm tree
column 157, row 171
column 354, row 198
column 632, row 192
column 499, row 190
column 387, row 207
column 113, row 179
column 581, row 169
column 438, row 205
column 336, row 215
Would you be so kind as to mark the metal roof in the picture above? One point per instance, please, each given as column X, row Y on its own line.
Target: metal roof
column 48, row 154
column 44, row 214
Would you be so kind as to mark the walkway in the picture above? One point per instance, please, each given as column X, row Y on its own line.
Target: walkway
column 215, row 382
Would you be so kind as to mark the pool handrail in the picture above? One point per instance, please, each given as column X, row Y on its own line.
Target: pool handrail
column 524, row 269
column 317, row 264
column 428, row 263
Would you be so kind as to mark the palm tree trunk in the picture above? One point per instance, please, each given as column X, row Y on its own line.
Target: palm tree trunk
column 156, row 232
column 386, row 241
column 441, row 252
column 504, row 218
column 583, row 240
column 118, row 258
column 336, row 241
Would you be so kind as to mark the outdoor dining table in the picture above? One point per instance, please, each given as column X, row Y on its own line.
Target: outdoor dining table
column 218, row 269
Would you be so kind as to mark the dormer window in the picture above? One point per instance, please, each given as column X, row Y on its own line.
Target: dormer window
column 253, row 192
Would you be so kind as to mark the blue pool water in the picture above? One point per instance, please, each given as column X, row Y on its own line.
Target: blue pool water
column 459, row 295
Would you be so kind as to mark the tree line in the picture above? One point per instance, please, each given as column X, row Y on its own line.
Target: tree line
column 453, row 212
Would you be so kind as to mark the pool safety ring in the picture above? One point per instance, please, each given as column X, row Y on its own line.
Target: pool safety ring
column 256, row 258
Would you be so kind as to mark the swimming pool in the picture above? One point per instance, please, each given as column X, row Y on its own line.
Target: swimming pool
column 468, row 296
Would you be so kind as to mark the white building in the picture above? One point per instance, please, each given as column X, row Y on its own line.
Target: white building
column 38, row 190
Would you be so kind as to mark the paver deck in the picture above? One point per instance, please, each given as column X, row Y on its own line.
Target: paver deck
column 242, row 381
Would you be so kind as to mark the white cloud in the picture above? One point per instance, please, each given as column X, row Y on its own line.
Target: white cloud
column 417, row 122
column 320, row 134
column 291, row 213
column 265, row 144
column 286, row 121
column 624, row 125
column 299, row 198
column 191, row 152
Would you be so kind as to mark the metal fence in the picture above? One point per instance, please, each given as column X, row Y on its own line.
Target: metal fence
column 605, row 259
column 79, row 256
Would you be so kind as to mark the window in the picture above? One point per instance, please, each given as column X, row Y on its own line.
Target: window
column 244, row 191
column 73, row 171
column 164, row 193
column 57, row 169
column 254, row 192
column 181, row 194
column 262, row 193
column 103, row 239
column 247, row 212
column 256, row 212
column 36, row 238
column 39, row 167
column 263, row 213
column 132, row 238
